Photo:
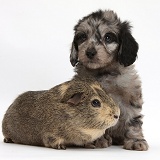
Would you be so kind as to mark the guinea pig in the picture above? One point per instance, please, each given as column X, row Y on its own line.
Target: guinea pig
column 76, row 112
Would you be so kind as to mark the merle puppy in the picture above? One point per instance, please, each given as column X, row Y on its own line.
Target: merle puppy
column 104, row 49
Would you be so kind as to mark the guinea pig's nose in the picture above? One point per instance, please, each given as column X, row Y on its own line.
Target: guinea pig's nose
column 91, row 52
column 116, row 116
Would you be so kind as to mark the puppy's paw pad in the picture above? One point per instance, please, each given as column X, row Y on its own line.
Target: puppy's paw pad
column 138, row 145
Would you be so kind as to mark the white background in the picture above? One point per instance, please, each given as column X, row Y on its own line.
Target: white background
column 35, row 40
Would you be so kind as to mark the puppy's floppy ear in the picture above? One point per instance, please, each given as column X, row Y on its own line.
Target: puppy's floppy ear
column 75, row 99
column 128, row 46
column 74, row 53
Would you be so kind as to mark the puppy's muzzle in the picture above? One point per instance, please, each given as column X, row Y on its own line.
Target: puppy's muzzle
column 91, row 52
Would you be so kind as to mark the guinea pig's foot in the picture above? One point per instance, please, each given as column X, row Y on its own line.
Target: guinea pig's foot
column 8, row 140
column 90, row 146
column 103, row 142
column 56, row 143
column 136, row 144
column 59, row 146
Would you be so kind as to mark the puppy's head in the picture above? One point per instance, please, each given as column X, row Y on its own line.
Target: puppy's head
column 101, row 38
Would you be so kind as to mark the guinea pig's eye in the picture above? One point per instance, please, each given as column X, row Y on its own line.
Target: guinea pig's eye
column 110, row 37
column 96, row 103
column 80, row 38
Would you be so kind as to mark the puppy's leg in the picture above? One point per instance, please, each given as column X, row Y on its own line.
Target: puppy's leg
column 134, row 139
column 51, row 141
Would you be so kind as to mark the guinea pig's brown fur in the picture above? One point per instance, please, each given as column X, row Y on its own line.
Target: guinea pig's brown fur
column 76, row 112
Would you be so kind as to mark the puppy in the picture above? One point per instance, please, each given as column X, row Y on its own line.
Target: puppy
column 76, row 112
column 104, row 49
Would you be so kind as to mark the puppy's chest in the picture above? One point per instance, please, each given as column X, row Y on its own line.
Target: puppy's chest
column 124, row 91
column 114, row 85
column 120, row 89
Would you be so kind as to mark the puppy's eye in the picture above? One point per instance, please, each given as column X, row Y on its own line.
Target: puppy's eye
column 96, row 103
column 80, row 38
column 110, row 37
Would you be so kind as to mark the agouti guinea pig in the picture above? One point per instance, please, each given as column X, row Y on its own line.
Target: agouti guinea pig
column 76, row 112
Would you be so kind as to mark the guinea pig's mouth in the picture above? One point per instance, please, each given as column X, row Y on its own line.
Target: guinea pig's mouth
column 114, row 123
column 109, row 124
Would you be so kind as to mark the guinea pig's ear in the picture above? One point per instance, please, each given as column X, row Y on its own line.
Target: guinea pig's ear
column 75, row 99
column 128, row 46
column 74, row 53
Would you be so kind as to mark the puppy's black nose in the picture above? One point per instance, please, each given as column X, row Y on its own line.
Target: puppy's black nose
column 91, row 52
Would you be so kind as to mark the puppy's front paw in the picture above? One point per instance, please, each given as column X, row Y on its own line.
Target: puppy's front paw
column 136, row 144
column 103, row 142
